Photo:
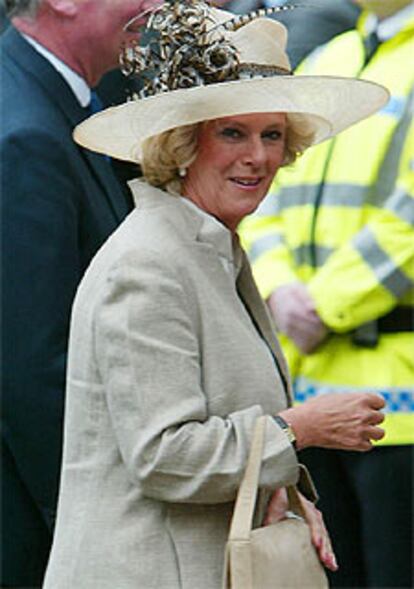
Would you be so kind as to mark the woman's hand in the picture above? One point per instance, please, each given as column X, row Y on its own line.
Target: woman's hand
column 276, row 511
column 345, row 421
column 319, row 534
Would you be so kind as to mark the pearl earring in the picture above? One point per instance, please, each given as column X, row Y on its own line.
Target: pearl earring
column 182, row 172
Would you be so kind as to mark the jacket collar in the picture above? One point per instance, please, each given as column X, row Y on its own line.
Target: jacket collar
column 195, row 224
column 198, row 226
column 77, row 84
column 36, row 66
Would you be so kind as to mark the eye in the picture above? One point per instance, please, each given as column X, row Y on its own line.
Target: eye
column 274, row 135
column 231, row 133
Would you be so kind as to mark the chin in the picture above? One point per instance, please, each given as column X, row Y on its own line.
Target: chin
column 252, row 205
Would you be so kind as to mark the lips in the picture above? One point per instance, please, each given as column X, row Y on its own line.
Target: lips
column 248, row 182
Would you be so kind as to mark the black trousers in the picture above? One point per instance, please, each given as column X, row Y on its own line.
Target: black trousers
column 367, row 503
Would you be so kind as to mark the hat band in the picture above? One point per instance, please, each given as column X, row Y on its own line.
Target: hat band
column 257, row 70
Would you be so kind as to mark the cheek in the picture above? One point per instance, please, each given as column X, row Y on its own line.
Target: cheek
column 276, row 159
column 214, row 152
column 213, row 162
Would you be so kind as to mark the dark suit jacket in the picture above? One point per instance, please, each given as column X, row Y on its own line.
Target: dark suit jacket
column 59, row 203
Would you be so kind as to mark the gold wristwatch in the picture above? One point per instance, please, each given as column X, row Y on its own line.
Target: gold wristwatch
column 287, row 428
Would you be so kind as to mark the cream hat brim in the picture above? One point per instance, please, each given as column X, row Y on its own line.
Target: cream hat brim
column 324, row 105
column 328, row 104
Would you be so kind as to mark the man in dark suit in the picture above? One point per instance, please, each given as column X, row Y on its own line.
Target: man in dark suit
column 4, row 21
column 59, row 203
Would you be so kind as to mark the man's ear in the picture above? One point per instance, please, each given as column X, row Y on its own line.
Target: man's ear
column 67, row 8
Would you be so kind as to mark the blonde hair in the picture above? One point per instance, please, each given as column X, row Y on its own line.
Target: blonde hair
column 165, row 154
column 299, row 136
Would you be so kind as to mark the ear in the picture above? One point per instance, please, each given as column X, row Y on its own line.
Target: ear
column 67, row 8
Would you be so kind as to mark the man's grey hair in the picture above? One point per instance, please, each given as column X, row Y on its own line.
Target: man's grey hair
column 22, row 7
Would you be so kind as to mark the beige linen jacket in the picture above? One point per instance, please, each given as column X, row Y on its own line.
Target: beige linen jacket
column 171, row 360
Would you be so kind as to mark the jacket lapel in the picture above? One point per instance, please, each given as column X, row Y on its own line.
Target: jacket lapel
column 211, row 231
column 254, row 303
column 204, row 229
column 102, row 169
column 61, row 95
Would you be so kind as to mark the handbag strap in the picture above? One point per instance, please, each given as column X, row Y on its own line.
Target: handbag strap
column 242, row 520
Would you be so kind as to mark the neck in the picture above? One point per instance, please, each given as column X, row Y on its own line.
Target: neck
column 56, row 40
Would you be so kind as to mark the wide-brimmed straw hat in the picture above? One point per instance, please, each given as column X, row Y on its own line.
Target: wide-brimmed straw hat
column 206, row 64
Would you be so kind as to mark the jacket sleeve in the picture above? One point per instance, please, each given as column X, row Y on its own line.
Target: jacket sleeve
column 40, row 271
column 151, row 363
column 373, row 272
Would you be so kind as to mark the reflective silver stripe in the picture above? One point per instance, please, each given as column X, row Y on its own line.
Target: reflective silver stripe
column 265, row 244
column 402, row 204
column 338, row 195
column 268, row 207
column 296, row 196
column 384, row 267
column 302, row 255
column 388, row 170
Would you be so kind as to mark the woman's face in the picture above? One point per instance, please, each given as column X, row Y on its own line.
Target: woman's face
column 236, row 161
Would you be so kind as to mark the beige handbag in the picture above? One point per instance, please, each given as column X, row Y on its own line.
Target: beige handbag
column 279, row 556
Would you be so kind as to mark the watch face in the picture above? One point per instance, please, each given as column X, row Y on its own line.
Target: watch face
column 290, row 434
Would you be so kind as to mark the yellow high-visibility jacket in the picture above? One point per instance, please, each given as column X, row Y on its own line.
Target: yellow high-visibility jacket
column 342, row 221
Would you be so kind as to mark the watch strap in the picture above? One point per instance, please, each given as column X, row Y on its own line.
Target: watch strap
column 287, row 428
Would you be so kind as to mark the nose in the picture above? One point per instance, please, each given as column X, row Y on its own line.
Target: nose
column 255, row 153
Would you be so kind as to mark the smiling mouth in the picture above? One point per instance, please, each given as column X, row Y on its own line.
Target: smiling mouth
column 250, row 182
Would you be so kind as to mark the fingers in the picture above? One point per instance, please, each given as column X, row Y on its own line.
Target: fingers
column 327, row 555
column 364, row 446
column 375, row 433
column 307, row 333
column 373, row 419
column 310, row 344
column 375, row 401
column 371, row 433
column 319, row 535
column 277, row 507
column 376, row 418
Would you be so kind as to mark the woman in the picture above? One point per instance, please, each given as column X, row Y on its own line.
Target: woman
column 172, row 354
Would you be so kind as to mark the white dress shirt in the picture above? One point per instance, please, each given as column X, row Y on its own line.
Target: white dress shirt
column 78, row 85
